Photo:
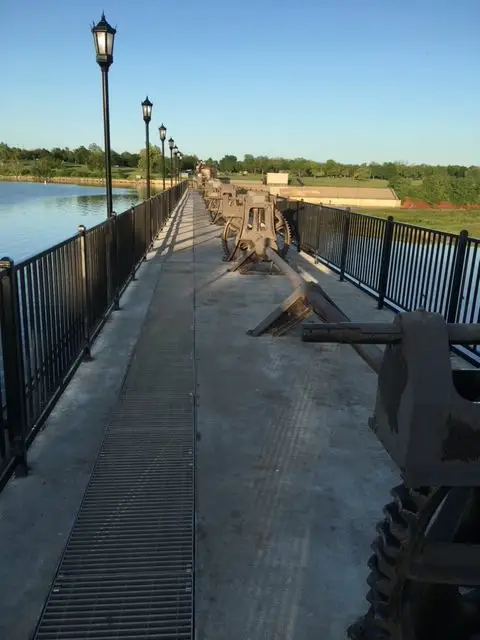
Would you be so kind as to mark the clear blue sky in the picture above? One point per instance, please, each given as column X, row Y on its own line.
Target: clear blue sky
column 353, row 80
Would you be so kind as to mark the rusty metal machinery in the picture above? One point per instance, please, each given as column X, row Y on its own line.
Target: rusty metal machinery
column 225, row 194
column 204, row 173
column 232, row 207
column 214, row 193
column 253, row 224
column 425, row 569
column 424, row 580
column 211, row 194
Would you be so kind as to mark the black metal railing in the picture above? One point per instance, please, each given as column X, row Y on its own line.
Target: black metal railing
column 403, row 266
column 53, row 305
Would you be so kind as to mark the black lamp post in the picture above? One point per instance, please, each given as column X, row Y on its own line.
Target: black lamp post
column 103, row 37
column 179, row 166
column 175, row 151
column 147, row 116
column 163, row 134
column 171, row 144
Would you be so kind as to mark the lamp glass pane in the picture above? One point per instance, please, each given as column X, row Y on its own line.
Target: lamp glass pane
column 101, row 37
column 109, row 43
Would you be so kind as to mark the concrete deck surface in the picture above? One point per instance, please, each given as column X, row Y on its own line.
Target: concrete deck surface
column 290, row 482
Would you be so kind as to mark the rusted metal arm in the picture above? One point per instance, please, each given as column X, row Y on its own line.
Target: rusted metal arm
column 325, row 308
column 381, row 333
column 295, row 278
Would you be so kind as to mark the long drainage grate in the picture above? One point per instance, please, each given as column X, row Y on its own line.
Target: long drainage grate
column 127, row 569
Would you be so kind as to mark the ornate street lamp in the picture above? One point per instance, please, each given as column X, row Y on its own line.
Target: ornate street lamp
column 175, row 151
column 103, row 38
column 147, row 116
column 175, row 155
column 171, row 144
column 163, row 134
column 179, row 165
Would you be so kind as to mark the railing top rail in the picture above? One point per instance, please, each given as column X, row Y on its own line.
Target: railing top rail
column 396, row 222
column 53, row 310
column 103, row 223
column 408, row 225
column 368, row 216
column 24, row 263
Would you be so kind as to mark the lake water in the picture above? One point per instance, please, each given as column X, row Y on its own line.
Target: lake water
column 35, row 216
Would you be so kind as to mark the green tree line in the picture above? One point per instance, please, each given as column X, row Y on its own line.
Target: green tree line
column 458, row 184
column 83, row 162
column 439, row 186
column 303, row 167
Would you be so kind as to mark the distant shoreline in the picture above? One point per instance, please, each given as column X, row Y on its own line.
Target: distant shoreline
column 94, row 182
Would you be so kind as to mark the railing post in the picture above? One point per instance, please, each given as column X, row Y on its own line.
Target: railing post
column 457, row 275
column 164, row 210
column 134, row 243
column 85, row 294
column 15, row 393
column 299, row 242
column 318, row 234
column 153, row 221
column 151, row 225
column 301, row 206
column 116, row 297
column 385, row 261
column 145, row 220
column 346, row 232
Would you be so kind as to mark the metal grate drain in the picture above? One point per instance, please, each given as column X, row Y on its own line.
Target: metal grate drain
column 127, row 569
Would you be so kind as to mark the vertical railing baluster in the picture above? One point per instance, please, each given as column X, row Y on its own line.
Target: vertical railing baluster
column 318, row 233
column 385, row 261
column 455, row 297
column 145, row 230
column 13, row 366
column 116, row 287
column 85, row 294
column 346, row 232
column 134, row 243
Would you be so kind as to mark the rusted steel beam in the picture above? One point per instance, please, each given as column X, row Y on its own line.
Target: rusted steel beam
column 380, row 333
column 446, row 563
column 294, row 277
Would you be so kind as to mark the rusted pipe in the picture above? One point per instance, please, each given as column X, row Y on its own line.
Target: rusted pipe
column 380, row 333
column 324, row 307
column 295, row 278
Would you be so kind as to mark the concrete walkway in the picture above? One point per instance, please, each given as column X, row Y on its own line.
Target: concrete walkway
column 290, row 481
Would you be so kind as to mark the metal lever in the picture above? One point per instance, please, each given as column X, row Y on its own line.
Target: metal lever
column 380, row 333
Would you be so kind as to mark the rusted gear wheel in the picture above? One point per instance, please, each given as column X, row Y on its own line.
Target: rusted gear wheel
column 284, row 234
column 231, row 245
column 213, row 210
column 403, row 609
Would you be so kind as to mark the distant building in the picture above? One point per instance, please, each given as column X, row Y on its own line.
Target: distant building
column 276, row 179
column 341, row 196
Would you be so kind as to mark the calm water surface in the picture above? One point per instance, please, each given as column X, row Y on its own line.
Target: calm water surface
column 35, row 216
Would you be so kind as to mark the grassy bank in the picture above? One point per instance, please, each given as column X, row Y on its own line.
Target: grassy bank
column 250, row 177
column 344, row 182
column 128, row 183
column 449, row 220
column 316, row 182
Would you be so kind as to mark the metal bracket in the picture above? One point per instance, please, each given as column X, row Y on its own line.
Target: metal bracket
column 426, row 414
column 286, row 316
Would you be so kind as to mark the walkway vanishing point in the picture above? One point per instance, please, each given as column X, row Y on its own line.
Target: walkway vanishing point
column 191, row 463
